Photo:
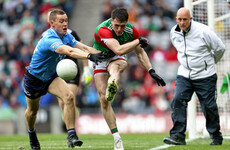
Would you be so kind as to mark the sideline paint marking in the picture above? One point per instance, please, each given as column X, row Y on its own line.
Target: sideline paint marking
column 166, row 145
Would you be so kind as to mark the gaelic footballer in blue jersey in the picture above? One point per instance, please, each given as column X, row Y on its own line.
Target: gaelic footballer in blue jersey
column 41, row 76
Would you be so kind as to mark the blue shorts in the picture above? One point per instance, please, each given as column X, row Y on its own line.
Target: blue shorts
column 34, row 87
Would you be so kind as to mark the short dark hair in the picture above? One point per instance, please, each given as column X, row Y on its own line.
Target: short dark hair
column 120, row 14
column 54, row 13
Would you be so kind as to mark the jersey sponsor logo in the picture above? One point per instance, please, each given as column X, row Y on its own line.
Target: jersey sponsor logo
column 55, row 44
column 179, row 40
column 74, row 40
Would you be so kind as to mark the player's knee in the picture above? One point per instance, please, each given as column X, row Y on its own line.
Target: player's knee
column 61, row 104
column 31, row 112
column 104, row 105
column 101, row 96
column 69, row 98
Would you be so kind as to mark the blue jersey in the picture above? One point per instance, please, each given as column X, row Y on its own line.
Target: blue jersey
column 44, row 60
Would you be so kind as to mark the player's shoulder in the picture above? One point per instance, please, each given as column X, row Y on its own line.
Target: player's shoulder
column 68, row 35
column 105, row 24
column 129, row 25
column 129, row 28
column 50, row 33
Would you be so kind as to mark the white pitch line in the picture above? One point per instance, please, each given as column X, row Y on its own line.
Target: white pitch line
column 166, row 146
column 226, row 137
column 161, row 147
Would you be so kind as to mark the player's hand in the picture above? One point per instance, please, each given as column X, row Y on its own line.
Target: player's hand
column 87, row 75
column 158, row 79
column 96, row 57
column 109, row 54
column 143, row 42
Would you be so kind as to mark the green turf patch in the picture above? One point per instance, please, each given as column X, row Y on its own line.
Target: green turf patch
column 105, row 142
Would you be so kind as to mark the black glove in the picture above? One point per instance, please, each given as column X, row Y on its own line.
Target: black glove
column 109, row 54
column 143, row 42
column 96, row 57
column 158, row 79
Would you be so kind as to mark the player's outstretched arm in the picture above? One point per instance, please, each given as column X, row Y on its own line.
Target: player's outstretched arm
column 79, row 54
column 85, row 48
column 144, row 60
column 123, row 49
column 73, row 52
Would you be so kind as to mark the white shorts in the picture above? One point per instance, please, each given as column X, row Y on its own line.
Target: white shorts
column 101, row 68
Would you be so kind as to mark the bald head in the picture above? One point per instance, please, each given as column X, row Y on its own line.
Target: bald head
column 183, row 12
column 183, row 18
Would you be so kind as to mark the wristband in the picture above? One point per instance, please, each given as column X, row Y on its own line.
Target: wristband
column 88, row 56
column 151, row 69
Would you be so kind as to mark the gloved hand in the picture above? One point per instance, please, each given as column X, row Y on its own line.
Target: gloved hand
column 143, row 42
column 109, row 54
column 87, row 75
column 158, row 79
column 96, row 57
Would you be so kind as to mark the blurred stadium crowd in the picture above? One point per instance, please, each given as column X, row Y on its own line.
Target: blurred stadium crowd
column 23, row 21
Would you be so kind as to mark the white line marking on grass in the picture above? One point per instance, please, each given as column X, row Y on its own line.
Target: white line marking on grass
column 166, row 146
column 161, row 147
column 226, row 137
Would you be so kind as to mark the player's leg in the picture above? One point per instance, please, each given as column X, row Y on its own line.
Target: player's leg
column 101, row 80
column 114, row 68
column 60, row 89
column 33, row 92
column 30, row 116
column 31, row 111
column 73, row 88
column 74, row 84
column 107, row 110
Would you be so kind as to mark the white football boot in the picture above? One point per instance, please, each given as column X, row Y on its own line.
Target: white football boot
column 118, row 144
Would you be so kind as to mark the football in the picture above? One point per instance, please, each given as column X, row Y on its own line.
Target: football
column 67, row 69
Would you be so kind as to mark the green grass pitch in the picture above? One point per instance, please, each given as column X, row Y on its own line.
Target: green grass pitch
column 105, row 142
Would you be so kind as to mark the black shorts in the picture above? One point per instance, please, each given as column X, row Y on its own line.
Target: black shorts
column 76, row 80
column 34, row 87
